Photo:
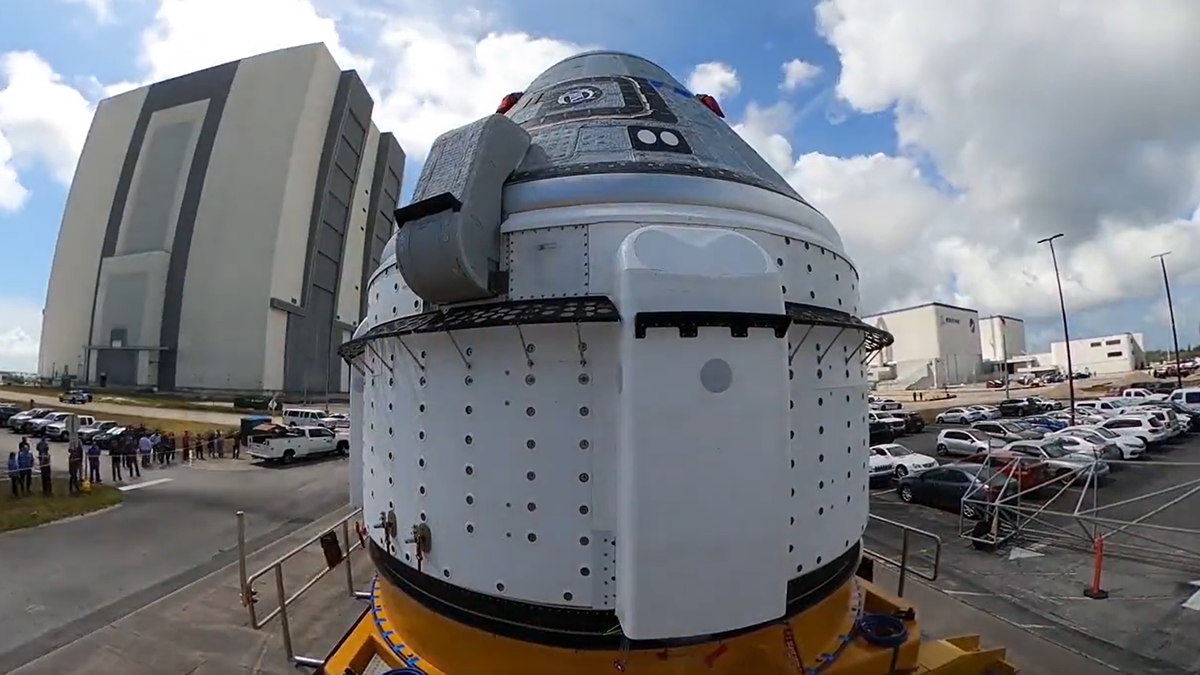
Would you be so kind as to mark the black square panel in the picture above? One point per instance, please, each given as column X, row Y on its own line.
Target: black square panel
column 658, row 139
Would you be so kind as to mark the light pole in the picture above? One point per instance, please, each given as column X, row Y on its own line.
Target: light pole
column 1004, row 349
column 1066, row 331
column 1171, row 309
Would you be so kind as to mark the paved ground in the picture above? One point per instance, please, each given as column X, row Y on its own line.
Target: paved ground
column 66, row 580
column 1143, row 627
column 203, row 630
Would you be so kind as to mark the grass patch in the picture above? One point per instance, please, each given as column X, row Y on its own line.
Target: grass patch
column 14, row 393
column 164, row 425
column 36, row 509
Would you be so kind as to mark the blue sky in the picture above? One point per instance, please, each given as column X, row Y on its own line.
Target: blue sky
column 938, row 196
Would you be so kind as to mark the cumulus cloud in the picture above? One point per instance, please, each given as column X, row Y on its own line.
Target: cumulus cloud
column 43, row 121
column 20, row 331
column 1015, row 121
column 715, row 79
column 797, row 73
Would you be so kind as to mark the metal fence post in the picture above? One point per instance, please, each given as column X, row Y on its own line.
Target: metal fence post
column 903, row 563
column 346, row 557
column 283, row 615
column 247, row 595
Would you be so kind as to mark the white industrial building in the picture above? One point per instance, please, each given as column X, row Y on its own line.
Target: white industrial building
column 936, row 345
column 1001, row 338
column 220, row 229
column 1106, row 355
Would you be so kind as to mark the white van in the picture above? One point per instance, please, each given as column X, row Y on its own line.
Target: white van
column 302, row 417
column 1188, row 397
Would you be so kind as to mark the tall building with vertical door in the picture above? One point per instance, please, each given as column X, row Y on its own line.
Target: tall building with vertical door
column 220, row 230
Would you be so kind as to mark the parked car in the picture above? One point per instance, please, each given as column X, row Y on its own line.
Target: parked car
column 88, row 431
column 880, row 433
column 966, row 442
column 1097, row 446
column 958, row 416
column 1080, row 416
column 896, row 424
column 1131, row 447
column 913, row 422
column 1187, row 399
column 1062, row 462
column 1148, row 429
column 1008, row 431
column 336, row 421
column 1028, row 473
column 17, row 422
column 296, row 442
column 7, row 411
column 1103, row 408
column 900, row 460
column 1044, row 422
column 75, row 396
column 1170, row 423
column 946, row 487
column 38, row 426
column 59, row 431
column 108, row 438
column 883, row 403
column 1045, row 404
column 1018, row 407
column 989, row 412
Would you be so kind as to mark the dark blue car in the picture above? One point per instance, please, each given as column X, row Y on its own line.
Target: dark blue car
column 1045, row 423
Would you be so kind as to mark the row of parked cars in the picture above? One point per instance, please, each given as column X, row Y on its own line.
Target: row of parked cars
column 995, row 455
column 53, row 425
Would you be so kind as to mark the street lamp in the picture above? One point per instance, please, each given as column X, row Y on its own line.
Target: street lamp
column 1171, row 309
column 1066, row 331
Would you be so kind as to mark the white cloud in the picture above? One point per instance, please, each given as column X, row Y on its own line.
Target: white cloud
column 715, row 79
column 43, row 121
column 1016, row 121
column 101, row 9
column 797, row 73
column 20, row 331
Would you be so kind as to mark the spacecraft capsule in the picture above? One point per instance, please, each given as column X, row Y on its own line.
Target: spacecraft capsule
column 610, row 383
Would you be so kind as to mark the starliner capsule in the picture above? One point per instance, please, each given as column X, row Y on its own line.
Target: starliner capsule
column 610, row 407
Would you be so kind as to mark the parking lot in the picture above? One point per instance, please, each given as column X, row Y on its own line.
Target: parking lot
column 1146, row 511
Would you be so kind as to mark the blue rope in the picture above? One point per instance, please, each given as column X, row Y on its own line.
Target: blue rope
column 404, row 671
column 882, row 630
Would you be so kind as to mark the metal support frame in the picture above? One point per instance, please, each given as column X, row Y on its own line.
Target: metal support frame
column 249, row 595
column 1067, row 512
column 903, row 569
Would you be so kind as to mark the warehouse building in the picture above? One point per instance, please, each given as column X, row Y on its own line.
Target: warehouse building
column 1001, row 338
column 220, row 228
column 1106, row 355
column 936, row 345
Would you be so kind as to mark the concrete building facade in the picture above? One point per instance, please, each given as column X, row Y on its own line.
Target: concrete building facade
column 1001, row 338
column 220, row 229
column 936, row 345
column 1111, row 354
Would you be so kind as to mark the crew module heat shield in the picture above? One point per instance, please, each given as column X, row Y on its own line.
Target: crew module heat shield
column 609, row 403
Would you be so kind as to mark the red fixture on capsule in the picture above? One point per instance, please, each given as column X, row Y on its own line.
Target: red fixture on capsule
column 711, row 103
column 508, row 102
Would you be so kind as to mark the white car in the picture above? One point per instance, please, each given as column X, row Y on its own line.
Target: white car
column 897, row 460
column 1081, row 417
column 1099, row 407
column 958, row 416
column 989, row 412
column 896, row 424
column 57, row 431
column 299, row 441
column 1145, row 427
column 1171, row 424
column 877, row 403
column 1082, row 442
column 336, row 421
column 1131, row 447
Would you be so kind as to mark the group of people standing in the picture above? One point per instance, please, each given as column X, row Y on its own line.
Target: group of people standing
column 20, row 468
column 128, row 454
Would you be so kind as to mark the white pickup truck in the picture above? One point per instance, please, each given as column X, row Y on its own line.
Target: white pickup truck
column 1137, row 394
column 296, row 442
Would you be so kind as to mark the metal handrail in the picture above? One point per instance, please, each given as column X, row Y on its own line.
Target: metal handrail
column 902, row 563
column 249, row 596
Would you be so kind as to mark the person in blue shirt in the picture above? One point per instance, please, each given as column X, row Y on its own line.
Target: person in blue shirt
column 25, row 465
column 93, row 460
column 14, row 474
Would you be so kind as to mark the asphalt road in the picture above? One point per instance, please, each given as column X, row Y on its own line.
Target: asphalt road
column 65, row 580
column 1147, row 624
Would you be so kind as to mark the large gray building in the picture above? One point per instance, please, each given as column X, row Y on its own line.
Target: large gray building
column 220, row 229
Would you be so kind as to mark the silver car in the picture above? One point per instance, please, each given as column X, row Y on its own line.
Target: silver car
column 1008, row 431
column 1062, row 461
column 965, row 442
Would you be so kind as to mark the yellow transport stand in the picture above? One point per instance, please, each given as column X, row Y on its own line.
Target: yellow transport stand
column 857, row 630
